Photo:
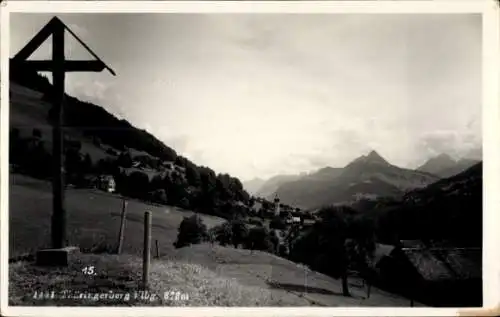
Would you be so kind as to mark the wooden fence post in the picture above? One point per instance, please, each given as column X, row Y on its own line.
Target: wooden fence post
column 157, row 250
column 122, row 226
column 147, row 249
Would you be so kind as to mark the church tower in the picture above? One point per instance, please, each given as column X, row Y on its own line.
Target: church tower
column 276, row 206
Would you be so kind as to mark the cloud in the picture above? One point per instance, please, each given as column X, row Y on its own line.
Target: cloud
column 79, row 30
column 94, row 91
column 448, row 141
column 180, row 143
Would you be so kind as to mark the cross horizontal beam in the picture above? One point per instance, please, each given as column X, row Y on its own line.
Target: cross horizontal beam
column 69, row 66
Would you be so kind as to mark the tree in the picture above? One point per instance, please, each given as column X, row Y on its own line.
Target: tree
column 176, row 190
column 157, row 183
column 87, row 164
column 226, row 210
column 251, row 202
column 275, row 240
column 223, row 233
column 212, row 236
column 282, row 250
column 192, row 230
column 277, row 223
column 262, row 213
column 73, row 163
column 292, row 235
column 138, row 184
column 159, row 196
column 240, row 232
column 106, row 166
column 125, row 159
column 180, row 161
column 97, row 141
column 266, row 205
column 184, row 203
column 259, row 238
column 121, row 180
column 193, row 175
column 36, row 159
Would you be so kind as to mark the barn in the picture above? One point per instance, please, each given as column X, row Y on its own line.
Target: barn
column 436, row 276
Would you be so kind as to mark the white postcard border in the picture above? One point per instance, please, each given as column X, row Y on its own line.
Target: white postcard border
column 491, row 142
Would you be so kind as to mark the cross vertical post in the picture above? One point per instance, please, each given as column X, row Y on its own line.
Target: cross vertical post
column 58, row 77
column 58, row 255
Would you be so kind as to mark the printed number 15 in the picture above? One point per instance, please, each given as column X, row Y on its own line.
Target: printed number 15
column 89, row 270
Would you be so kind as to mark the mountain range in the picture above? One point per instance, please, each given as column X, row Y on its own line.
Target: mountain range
column 444, row 165
column 269, row 187
column 252, row 186
column 367, row 177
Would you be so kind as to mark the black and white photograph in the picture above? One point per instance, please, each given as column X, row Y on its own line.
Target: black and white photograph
column 244, row 159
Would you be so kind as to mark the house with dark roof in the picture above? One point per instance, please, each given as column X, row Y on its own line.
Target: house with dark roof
column 450, row 277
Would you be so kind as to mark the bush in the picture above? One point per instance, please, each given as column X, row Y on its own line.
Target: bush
column 159, row 196
column 275, row 241
column 97, row 142
column 192, row 230
column 259, row 238
column 37, row 160
column 212, row 235
column 125, row 160
column 138, row 184
column 283, row 250
column 184, row 203
column 223, row 233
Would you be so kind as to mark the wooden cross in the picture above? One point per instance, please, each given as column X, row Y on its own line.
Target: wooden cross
column 58, row 66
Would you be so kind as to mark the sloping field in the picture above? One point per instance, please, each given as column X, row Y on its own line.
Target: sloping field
column 118, row 279
column 93, row 219
column 214, row 275
column 280, row 276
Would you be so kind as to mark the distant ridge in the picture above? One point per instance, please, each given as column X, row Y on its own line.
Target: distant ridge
column 443, row 165
column 254, row 185
column 268, row 189
column 366, row 177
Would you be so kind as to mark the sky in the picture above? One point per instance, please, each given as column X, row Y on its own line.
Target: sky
column 256, row 95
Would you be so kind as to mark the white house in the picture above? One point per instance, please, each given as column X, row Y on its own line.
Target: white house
column 107, row 183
